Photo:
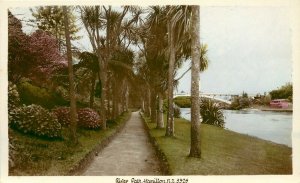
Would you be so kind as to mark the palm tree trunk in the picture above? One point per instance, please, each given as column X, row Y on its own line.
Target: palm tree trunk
column 153, row 105
column 195, row 150
column 170, row 120
column 147, row 102
column 92, row 93
column 103, row 75
column 103, row 92
column 115, row 99
column 108, row 94
column 143, row 105
column 160, row 115
column 73, row 114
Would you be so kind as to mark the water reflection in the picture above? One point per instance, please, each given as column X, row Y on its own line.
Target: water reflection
column 268, row 125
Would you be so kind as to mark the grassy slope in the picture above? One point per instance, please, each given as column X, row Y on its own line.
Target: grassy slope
column 223, row 152
column 43, row 157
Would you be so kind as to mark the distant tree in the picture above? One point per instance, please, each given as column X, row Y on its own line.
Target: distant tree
column 284, row 92
column 51, row 19
column 244, row 95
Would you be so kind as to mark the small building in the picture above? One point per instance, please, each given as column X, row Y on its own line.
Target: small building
column 279, row 103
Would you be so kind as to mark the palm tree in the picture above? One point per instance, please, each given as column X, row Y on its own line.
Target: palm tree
column 195, row 150
column 73, row 114
column 97, row 18
column 178, row 38
column 172, row 51
column 203, row 62
column 152, row 37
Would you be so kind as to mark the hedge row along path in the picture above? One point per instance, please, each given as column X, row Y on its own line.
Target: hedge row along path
column 129, row 153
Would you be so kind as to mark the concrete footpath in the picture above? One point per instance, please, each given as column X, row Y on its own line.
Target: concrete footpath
column 129, row 153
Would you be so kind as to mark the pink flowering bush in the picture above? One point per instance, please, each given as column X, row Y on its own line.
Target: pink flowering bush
column 63, row 115
column 87, row 117
column 36, row 56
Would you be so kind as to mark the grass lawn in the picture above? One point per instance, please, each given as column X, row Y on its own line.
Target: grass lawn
column 223, row 152
column 43, row 157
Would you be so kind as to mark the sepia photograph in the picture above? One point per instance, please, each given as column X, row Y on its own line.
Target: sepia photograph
column 149, row 93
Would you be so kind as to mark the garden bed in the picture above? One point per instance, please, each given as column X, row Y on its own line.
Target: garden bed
column 43, row 157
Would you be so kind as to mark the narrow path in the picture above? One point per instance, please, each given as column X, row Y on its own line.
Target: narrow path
column 129, row 153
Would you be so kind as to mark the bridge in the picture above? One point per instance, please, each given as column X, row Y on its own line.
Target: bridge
column 212, row 96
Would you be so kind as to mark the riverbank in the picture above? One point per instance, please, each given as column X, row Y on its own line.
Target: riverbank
column 43, row 157
column 268, row 108
column 224, row 152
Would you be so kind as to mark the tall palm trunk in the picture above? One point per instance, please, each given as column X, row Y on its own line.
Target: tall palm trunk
column 73, row 114
column 153, row 106
column 195, row 150
column 103, row 96
column 114, row 101
column 160, row 114
column 92, row 93
column 170, row 120
column 109, row 96
column 147, row 101
column 103, row 75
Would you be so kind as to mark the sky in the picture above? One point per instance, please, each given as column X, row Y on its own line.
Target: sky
column 249, row 49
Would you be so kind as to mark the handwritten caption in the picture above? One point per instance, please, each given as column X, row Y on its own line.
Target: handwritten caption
column 154, row 180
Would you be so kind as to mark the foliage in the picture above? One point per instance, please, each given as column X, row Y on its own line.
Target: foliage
column 211, row 113
column 88, row 118
column 177, row 112
column 16, row 50
column 240, row 103
column 13, row 153
column 262, row 99
column 284, row 92
column 63, row 115
column 183, row 102
column 35, row 56
column 50, row 19
column 244, row 95
column 39, row 157
column 31, row 94
column 36, row 120
column 244, row 102
column 13, row 99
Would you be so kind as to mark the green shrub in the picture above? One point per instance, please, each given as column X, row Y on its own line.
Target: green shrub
column 88, row 118
column 211, row 113
column 176, row 111
column 13, row 99
column 240, row 103
column 31, row 94
column 36, row 120
column 244, row 102
column 183, row 102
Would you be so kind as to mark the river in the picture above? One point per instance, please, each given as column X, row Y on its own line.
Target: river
column 272, row 126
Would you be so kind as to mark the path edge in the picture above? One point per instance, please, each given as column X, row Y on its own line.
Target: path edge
column 163, row 163
column 82, row 165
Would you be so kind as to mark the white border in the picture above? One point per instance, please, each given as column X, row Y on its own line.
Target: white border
column 294, row 6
